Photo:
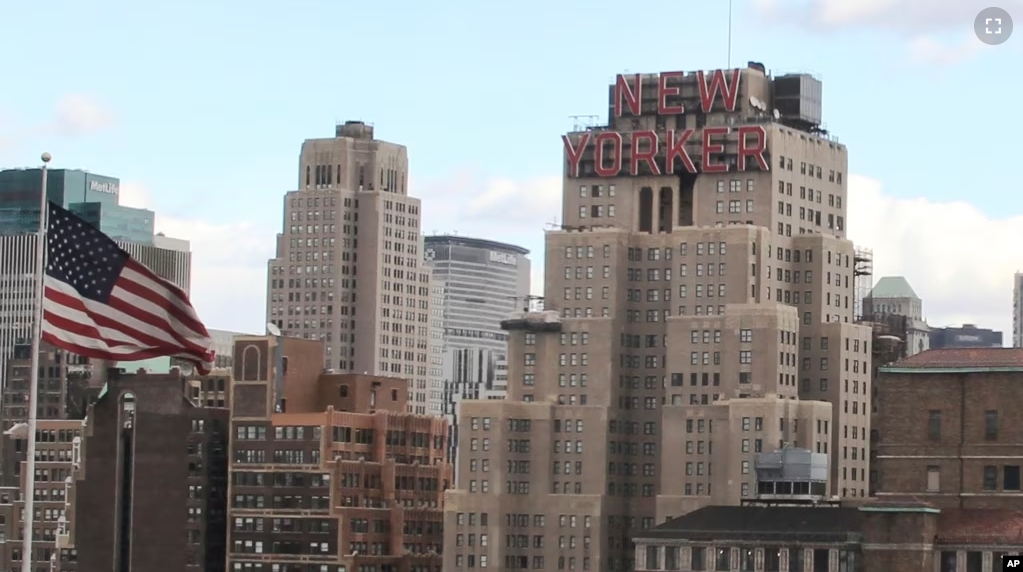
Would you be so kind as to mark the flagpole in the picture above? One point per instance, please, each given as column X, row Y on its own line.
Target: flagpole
column 33, row 393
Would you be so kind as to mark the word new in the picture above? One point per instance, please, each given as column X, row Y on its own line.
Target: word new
column 646, row 149
column 669, row 85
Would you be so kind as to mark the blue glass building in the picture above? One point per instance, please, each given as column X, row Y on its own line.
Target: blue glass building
column 92, row 197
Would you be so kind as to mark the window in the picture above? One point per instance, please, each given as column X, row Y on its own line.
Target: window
column 1010, row 478
column 975, row 562
column 991, row 425
column 934, row 425
column 671, row 559
column 933, row 479
column 723, row 559
column 797, row 556
column 990, row 478
column 745, row 336
column 820, row 560
column 698, row 558
column 948, row 561
column 652, row 558
column 847, row 561
column 747, row 559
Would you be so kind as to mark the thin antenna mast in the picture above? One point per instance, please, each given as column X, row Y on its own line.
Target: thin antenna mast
column 729, row 35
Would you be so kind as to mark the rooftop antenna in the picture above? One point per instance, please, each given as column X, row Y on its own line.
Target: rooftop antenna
column 729, row 34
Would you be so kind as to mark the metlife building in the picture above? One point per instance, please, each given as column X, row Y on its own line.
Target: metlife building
column 92, row 197
column 475, row 285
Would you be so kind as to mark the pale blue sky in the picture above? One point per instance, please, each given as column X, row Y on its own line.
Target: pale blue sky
column 209, row 101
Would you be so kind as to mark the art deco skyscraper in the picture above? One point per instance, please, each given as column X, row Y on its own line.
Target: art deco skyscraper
column 349, row 265
column 699, row 310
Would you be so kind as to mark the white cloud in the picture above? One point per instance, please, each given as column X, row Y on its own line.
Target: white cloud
column 911, row 17
column 74, row 115
column 960, row 278
column 929, row 50
column 229, row 260
column 80, row 114
column 134, row 195
column 228, row 264
column 506, row 210
column 923, row 24
column 943, row 249
column 497, row 204
column 953, row 255
column 228, row 270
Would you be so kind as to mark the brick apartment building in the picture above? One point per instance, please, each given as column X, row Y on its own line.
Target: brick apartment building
column 151, row 491
column 60, row 374
column 329, row 472
column 58, row 455
column 951, row 428
column 716, row 298
column 211, row 390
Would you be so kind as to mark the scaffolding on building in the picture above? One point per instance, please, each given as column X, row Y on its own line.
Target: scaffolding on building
column 863, row 279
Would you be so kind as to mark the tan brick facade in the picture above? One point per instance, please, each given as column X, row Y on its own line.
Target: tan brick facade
column 952, row 434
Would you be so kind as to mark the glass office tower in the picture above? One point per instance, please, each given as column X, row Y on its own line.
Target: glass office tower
column 92, row 197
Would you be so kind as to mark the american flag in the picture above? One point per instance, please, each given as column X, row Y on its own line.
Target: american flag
column 101, row 303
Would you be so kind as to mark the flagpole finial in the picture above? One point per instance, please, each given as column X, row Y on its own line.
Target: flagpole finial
column 46, row 157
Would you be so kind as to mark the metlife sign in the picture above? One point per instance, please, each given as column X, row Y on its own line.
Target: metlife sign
column 103, row 187
column 503, row 258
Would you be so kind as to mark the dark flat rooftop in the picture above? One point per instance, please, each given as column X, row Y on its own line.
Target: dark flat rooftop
column 781, row 523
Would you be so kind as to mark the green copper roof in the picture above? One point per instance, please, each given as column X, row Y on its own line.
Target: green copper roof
column 893, row 287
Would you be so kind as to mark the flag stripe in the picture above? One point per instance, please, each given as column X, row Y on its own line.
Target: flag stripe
column 111, row 340
column 161, row 294
column 182, row 298
column 84, row 346
column 110, row 327
column 151, row 316
column 119, row 315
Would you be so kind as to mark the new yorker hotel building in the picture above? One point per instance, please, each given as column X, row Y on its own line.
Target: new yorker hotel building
column 349, row 268
column 712, row 321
